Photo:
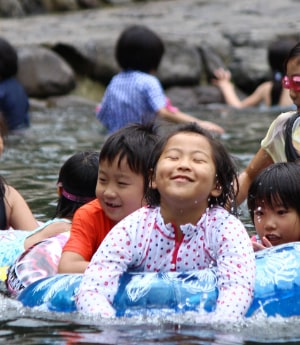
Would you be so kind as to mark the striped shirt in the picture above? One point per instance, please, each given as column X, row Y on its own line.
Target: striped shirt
column 131, row 97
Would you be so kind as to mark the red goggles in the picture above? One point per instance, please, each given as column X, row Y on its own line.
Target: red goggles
column 292, row 83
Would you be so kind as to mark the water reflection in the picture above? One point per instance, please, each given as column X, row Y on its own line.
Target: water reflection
column 31, row 164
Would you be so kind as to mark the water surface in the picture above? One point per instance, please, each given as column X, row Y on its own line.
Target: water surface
column 31, row 164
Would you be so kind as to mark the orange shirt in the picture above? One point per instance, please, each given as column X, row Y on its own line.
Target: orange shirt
column 89, row 226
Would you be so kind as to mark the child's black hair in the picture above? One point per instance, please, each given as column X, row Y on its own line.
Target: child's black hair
column 226, row 174
column 139, row 48
column 276, row 185
column 78, row 178
column 134, row 143
column 277, row 54
column 8, row 60
column 294, row 53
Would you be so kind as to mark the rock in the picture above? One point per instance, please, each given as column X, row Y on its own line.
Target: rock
column 94, row 58
column 11, row 8
column 190, row 98
column 180, row 65
column 44, row 73
column 211, row 61
column 199, row 35
column 60, row 5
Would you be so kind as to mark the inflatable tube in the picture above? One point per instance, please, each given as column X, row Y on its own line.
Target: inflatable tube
column 277, row 289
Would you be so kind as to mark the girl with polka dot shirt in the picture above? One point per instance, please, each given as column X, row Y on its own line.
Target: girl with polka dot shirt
column 185, row 226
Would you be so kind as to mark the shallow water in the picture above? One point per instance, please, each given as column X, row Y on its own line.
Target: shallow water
column 31, row 163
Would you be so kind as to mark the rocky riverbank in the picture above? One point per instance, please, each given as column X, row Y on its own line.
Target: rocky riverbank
column 58, row 51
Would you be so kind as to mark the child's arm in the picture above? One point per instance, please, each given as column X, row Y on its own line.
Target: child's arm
column 113, row 257
column 48, row 231
column 71, row 262
column 19, row 215
column 178, row 116
column 100, row 280
column 223, row 81
column 79, row 248
column 260, row 161
column 235, row 267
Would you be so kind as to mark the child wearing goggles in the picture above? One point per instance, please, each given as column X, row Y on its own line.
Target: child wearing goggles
column 292, row 83
column 282, row 141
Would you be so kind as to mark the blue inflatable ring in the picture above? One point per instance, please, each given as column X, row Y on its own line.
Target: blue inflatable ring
column 277, row 289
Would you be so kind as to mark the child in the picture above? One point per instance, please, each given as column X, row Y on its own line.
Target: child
column 120, row 191
column 274, row 205
column 270, row 92
column 185, row 227
column 135, row 95
column 76, row 185
column 282, row 141
column 14, row 102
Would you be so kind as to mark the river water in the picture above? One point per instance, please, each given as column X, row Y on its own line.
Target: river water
column 31, row 163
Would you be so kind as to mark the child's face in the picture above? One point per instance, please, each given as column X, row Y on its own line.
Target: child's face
column 185, row 174
column 293, row 69
column 119, row 190
column 279, row 225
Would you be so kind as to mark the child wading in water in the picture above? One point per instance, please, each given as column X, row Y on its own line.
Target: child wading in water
column 37, row 253
column 274, row 205
column 135, row 95
column 185, row 227
column 14, row 102
column 269, row 93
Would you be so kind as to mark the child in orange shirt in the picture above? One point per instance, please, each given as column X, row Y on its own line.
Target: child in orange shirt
column 120, row 191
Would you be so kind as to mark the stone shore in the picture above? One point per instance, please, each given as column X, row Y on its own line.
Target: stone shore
column 57, row 51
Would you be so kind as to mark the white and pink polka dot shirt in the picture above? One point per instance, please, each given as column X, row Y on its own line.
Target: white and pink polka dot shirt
column 142, row 242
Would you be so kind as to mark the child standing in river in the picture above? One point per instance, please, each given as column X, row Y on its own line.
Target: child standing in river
column 14, row 103
column 135, row 95
column 270, row 92
column 185, row 227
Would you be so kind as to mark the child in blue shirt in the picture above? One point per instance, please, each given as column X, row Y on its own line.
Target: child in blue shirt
column 135, row 95
column 14, row 104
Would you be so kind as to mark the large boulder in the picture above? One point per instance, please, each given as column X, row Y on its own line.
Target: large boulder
column 44, row 73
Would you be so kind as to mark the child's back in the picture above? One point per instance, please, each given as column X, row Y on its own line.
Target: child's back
column 135, row 95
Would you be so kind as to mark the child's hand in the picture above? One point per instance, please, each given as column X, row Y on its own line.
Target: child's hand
column 265, row 243
column 221, row 74
column 210, row 126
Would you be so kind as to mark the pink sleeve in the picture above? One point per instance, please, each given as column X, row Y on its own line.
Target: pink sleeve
column 170, row 106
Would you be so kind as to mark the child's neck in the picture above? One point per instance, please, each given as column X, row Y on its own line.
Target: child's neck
column 181, row 216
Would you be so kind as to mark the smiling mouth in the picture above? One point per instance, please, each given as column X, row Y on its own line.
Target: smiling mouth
column 272, row 238
column 182, row 178
column 109, row 204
